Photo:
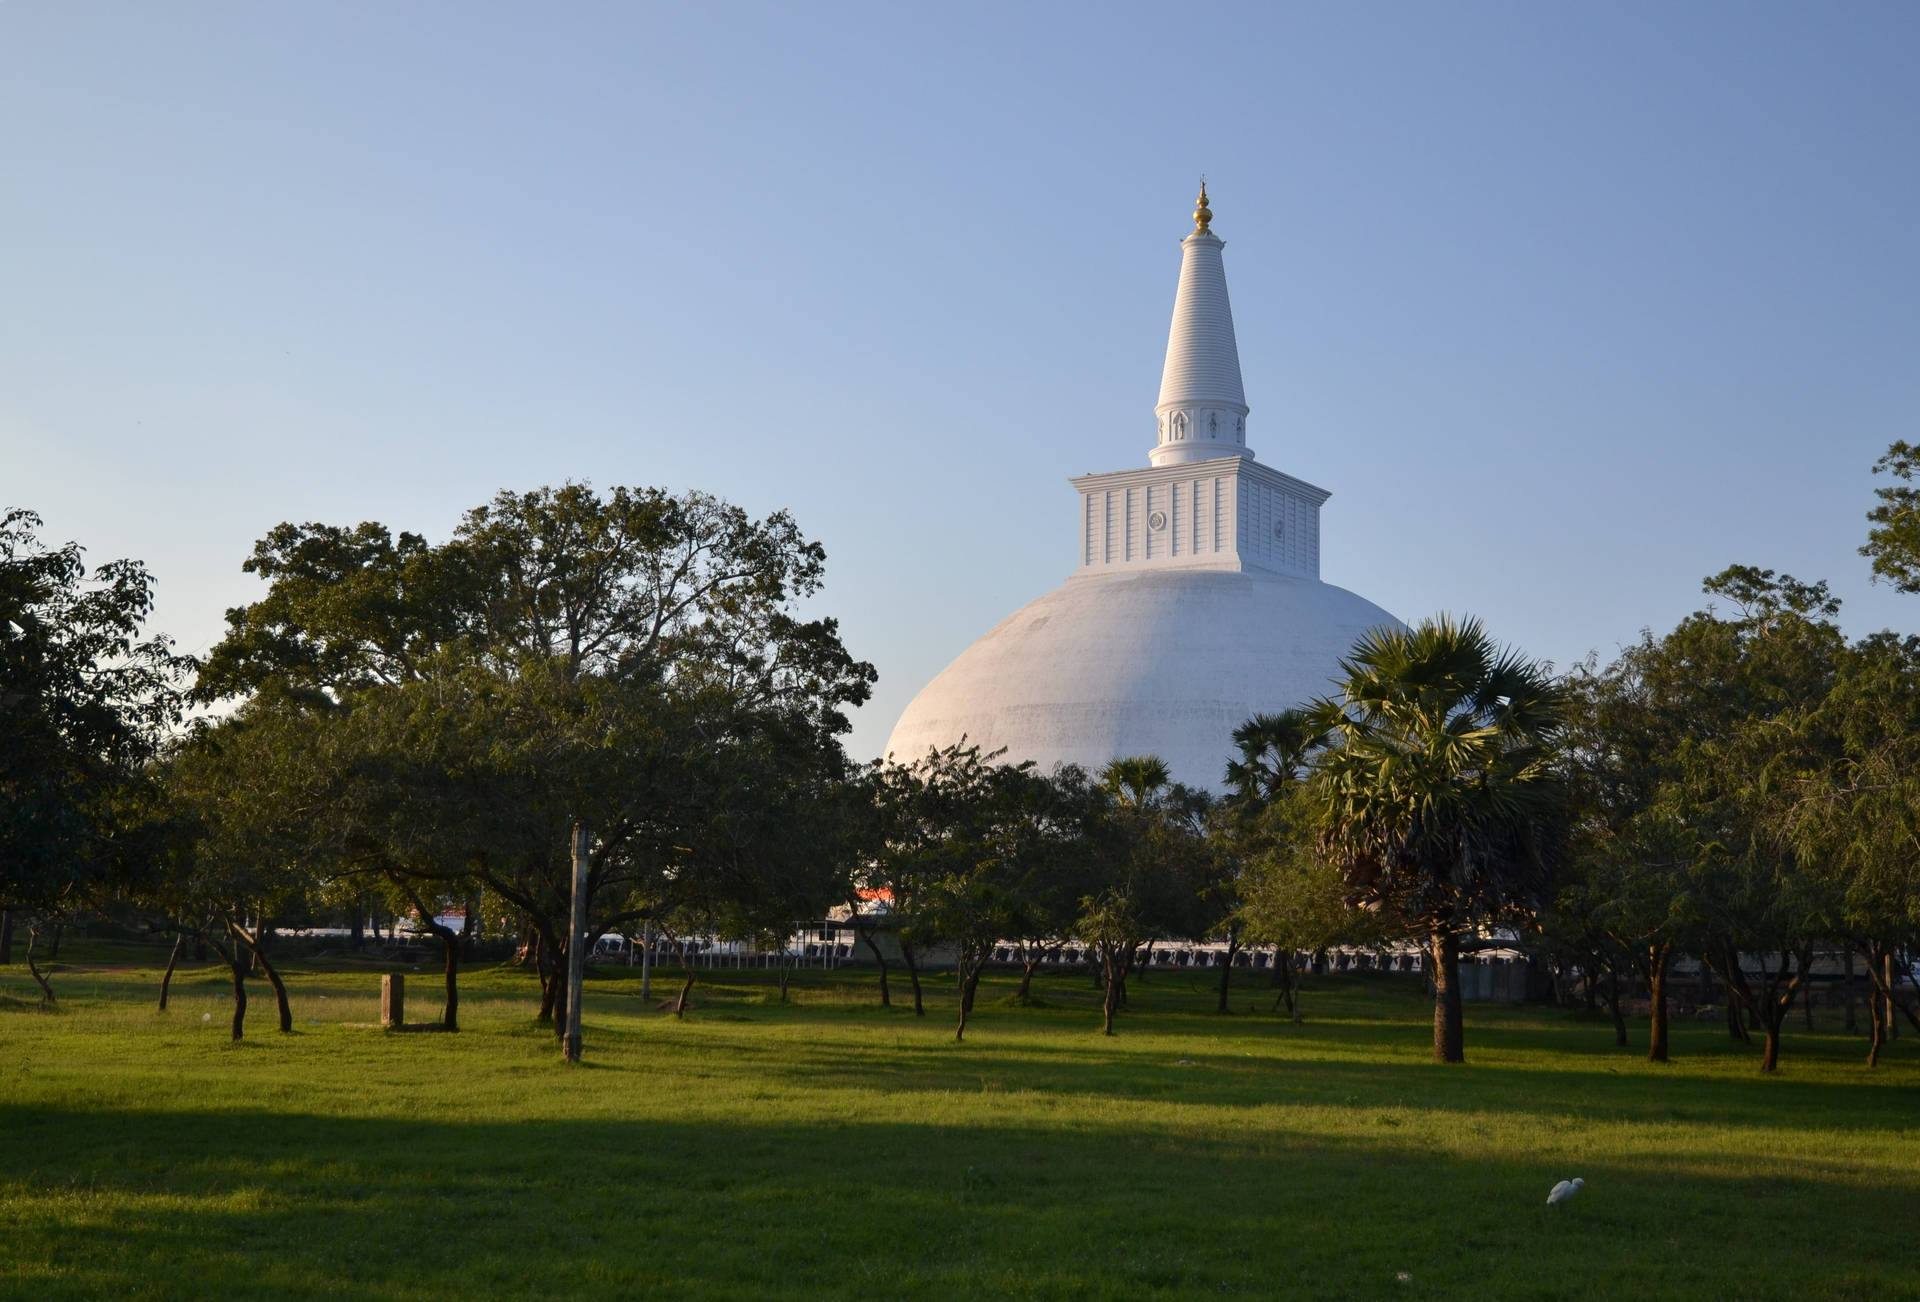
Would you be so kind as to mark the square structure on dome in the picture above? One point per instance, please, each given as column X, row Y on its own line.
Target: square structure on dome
column 1230, row 513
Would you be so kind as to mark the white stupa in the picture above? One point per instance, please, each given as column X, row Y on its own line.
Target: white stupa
column 1197, row 602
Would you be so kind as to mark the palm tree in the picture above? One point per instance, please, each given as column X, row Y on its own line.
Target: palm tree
column 1136, row 781
column 1274, row 750
column 1436, row 796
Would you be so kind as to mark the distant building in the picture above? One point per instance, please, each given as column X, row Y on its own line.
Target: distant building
column 1196, row 602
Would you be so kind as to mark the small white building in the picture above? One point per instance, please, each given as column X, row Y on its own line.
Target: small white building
column 1195, row 602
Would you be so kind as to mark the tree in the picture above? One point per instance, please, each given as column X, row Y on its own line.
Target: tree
column 1854, row 813
column 1275, row 751
column 1893, row 543
column 85, row 703
column 630, row 661
column 1683, row 761
column 1764, row 673
column 247, row 800
column 1437, row 796
column 1291, row 895
column 1626, row 902
column 1062, row 863
column 1268, row 889
column 1152, row 874
column 957, row 835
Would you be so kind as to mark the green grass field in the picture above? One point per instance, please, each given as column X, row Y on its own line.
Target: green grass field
column 831, row 1148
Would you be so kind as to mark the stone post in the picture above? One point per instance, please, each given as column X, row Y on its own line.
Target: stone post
column 393, row 1001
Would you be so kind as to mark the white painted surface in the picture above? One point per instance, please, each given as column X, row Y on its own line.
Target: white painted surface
column 1202, row 412
column 1165, row 663
column 1230, row 513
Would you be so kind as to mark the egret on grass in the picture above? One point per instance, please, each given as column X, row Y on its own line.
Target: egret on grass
column 1565, row 1190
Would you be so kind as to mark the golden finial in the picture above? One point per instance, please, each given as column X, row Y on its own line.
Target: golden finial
column 1202, row 214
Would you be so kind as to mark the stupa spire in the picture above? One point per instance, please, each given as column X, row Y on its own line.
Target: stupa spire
column 1202, row 412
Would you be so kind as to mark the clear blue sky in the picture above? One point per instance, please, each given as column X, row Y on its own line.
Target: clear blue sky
column 1567, row 305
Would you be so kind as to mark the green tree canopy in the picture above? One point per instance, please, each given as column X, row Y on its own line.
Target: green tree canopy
column 632, row 660
column 1893, row 543
column 86, row 701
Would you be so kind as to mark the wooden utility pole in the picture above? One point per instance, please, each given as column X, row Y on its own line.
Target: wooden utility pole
column 576, row 943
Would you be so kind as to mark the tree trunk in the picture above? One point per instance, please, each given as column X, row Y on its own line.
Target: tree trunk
column 1886, row 976
column 1877, row 1037
column 1110, row 1002
column 913, row 978
column 1613, row 1006
column 1770, row 1053
column 6, row 937
column 265, row 968
column 1852, row 1026
column 450, row 1015
column 46, row 990
column 558, row 981
column 686, row 989
column 239, row 969
column 1449, row 1028
column 548, row 971
column 1739, row 992
column 173, row 959
column 1025, row 993
column 966, row 977
column 1657, row 958
column 359, row 925
column 450, row 939
column 236, row 963
column 469, row 934
column 1778, row 988
column 886, row 995
column 1226, row 972
column 686, row 977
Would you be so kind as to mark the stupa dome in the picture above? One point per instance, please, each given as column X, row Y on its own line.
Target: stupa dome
column 1197, row 602
column 1162, row 664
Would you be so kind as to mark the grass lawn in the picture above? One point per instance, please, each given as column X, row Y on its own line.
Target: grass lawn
column 831, row 1148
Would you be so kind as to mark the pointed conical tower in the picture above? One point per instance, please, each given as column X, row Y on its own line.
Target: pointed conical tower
column 1202, row 411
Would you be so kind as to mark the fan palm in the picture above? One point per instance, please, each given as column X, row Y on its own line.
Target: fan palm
column 1436, row 794
column 1274, row 749
column 1136, row 781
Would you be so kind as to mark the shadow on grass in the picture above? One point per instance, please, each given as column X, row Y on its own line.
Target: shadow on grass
column 136, row 1203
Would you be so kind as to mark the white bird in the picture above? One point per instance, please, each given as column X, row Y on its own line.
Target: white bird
column 1565, row 1190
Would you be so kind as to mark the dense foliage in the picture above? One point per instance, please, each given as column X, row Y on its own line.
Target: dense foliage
column 417, row 727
